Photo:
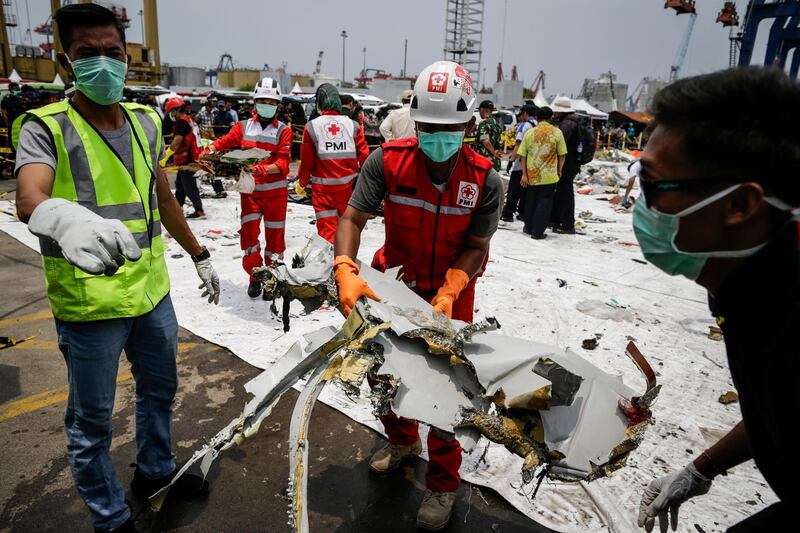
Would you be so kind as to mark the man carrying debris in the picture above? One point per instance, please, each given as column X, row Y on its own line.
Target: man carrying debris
column 87, row 181
column 269, row 199
column 333, row 150
column 184, row 151
column 731, row 224
column 442, row 203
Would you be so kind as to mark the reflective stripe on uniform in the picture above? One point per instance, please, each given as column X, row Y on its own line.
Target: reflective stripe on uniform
column 132, row 211
column 78, row 162
column 274, row 224
column 333, row 181
column 252, row 249
column 328, row 213
column 50, row 248
column 251, row 217
column 337, row 155
column 270, row 186
column 418, row 202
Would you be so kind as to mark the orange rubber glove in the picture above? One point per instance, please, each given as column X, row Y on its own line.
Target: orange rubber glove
column 455, row 280
column 351, row 285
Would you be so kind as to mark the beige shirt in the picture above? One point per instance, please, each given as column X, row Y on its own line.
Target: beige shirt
column 398, row 125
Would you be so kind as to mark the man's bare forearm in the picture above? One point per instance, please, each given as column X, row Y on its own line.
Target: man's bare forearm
column 731, row 450
column 34, row 186
column 561, row 160
column 348, row 235
column 471, row 259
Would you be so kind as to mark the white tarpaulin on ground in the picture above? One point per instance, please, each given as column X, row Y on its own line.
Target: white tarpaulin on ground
column 606, row 293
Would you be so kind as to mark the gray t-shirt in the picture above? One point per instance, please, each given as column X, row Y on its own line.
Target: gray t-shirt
column 36, row 146
column 371, row 189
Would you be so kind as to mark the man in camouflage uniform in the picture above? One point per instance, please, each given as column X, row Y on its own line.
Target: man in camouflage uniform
column 488, row 133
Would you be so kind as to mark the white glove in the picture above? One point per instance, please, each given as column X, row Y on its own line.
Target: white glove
column 667, row 493
column 210, row 280
column 88, row 241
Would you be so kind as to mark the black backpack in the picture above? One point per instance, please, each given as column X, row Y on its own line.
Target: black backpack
column 586, row 143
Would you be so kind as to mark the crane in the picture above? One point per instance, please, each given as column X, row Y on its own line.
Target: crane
column 680, row 56
column 318, row 67
column 633, row 100
column 538, row 82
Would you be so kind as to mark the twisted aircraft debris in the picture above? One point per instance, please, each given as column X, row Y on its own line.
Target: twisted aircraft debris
column 551, row 407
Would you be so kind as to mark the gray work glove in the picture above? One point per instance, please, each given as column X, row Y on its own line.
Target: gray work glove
column 667, row 493
column 88, row 241
column 210, row 279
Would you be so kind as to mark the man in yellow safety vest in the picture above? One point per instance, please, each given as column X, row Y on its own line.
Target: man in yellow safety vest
column 89, row 186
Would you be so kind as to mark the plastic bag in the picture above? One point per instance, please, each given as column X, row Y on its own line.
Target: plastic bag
column 246, row 183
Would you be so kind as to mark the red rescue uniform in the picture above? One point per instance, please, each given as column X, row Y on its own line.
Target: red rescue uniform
column 333, row 150
column 189, row 150
column 270, row 197
column 426, row 229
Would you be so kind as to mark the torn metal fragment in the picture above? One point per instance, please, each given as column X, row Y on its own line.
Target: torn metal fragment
column 565, row 384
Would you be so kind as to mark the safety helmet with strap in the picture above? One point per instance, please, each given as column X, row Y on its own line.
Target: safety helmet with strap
column 174, row 103
column 267, row 88
column 443, row 94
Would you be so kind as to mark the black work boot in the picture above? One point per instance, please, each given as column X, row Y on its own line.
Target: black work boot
column 127, row 527
column 254, row 289
column 188, row 485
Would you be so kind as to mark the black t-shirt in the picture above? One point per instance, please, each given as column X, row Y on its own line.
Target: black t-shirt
column 14, row 106
column 758, row 306
column 182, row 127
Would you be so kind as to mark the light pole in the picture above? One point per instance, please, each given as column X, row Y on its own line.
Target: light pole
column 364, row 66
column 343, row 35
column 141, row 23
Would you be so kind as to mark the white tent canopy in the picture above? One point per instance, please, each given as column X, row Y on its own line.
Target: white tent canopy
column 539, row 100
column 296, row 89
column 57, row 80
column 582, row 107
column 14, row 76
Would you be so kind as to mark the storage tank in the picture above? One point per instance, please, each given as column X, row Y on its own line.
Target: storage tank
column 183, row 76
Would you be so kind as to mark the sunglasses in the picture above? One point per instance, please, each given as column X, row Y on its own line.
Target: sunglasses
column 651, row 188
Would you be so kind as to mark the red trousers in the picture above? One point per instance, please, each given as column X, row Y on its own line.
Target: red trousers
column 328, row 207
column 271, row 206
column 444, row 451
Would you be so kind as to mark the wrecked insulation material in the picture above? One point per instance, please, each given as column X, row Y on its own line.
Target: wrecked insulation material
column 229, row 164
column 309, row 279
column 549, row 406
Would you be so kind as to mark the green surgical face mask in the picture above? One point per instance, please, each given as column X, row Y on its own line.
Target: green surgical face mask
column 656, row 233
column 266, row 111
column 440, row 146
column 101, row 79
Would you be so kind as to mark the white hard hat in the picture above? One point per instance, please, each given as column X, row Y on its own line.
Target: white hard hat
column 443, row 94
column 267, row 88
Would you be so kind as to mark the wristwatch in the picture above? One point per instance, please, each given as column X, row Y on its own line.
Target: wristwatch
column 205, row 254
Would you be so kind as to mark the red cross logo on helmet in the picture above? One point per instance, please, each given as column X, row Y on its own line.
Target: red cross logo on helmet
column 437, row 82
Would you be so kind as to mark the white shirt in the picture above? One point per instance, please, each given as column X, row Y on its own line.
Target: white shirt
column 522, row 129
column 398, row 125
